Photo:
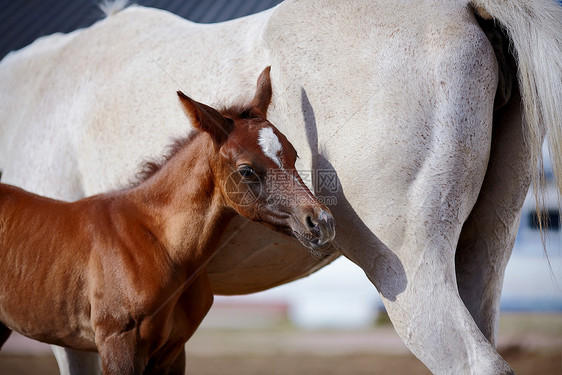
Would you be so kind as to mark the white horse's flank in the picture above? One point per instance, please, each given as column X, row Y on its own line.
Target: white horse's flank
column 396, row 97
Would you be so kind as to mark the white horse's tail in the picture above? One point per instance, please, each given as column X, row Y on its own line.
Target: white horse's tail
column 111, row 7
column 535, row 29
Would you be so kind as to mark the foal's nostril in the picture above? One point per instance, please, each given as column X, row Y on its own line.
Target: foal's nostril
column 316, row 228
column 311, row 224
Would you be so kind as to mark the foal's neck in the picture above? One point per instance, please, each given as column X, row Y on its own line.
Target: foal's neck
column 185, row 210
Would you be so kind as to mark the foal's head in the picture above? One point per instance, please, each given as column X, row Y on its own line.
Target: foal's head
column 254, row 169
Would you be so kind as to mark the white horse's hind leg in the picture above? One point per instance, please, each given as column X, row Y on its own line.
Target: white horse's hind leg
column 417, row 207
column 74, row 362
column 410, row 146
column 488, row 235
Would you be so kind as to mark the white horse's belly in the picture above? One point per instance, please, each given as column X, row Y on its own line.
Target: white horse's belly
column 253, row 258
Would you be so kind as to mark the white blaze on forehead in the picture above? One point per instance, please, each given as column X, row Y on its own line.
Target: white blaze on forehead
column 272, row 148
column 270, row 145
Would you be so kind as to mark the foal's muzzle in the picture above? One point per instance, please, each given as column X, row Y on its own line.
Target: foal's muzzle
column 320, row 228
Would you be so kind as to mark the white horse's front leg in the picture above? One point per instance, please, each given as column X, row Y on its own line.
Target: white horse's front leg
column 75, row 362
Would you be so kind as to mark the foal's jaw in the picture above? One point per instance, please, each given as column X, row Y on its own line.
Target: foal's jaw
column 294, row 210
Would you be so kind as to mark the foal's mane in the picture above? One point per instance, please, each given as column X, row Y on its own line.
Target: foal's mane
column 148, row 168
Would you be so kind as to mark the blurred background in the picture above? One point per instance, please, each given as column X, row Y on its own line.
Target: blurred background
column 333, row 320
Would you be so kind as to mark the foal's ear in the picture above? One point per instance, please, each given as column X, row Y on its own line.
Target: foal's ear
column 207, row 119
column 262, row 98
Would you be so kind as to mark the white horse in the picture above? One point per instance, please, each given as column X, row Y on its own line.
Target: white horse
column 411, row 106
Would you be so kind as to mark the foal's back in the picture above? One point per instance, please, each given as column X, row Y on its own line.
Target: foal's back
column 45, row 249
column 44, row 226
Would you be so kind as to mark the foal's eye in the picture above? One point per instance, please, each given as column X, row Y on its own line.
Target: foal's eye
column 246, row 171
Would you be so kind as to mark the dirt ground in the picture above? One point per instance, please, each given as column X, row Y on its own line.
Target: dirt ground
column 531, row 344
column 522, row 362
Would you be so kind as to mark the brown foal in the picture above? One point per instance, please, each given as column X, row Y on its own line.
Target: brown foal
column 123, row 273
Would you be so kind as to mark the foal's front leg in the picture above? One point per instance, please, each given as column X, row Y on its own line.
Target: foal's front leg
column 120, row 354
column 189, row 312
column 176, row 367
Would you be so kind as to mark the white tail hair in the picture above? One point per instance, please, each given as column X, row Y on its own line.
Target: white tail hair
column 111, row 7
column 535, row 30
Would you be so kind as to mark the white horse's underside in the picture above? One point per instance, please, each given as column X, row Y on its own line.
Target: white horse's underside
column 396, row 97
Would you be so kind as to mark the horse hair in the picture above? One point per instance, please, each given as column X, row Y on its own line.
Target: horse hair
column 149, row 167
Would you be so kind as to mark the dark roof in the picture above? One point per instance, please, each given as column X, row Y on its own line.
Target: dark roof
column 23, row 21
